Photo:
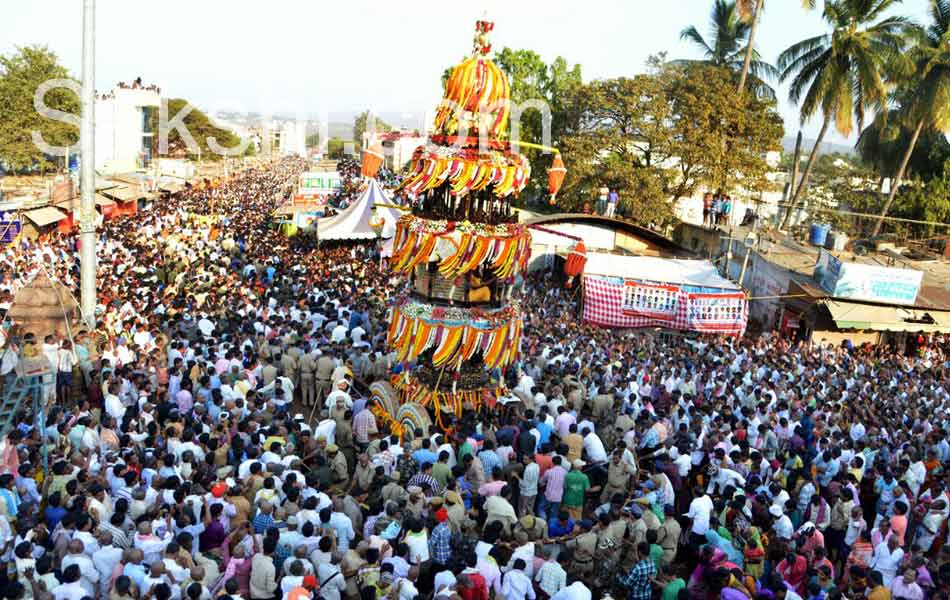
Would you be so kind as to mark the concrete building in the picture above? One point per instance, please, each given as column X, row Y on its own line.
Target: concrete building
column 398, row 146
column 889, row 296
column 124, row 136
column 293, row 138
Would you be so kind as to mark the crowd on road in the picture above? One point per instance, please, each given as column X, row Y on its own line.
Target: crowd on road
column 214, row 438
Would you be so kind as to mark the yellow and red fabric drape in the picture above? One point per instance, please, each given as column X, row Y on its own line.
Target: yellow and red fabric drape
column 505, row 248
column 478, row 94
column 466, row 170
column 412, row 391
column 372, row 159
column 455, row 334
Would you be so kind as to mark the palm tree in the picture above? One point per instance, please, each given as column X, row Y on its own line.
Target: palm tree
column 750, row 11
column 728, row 46
column 930, row 86
column 840, row 74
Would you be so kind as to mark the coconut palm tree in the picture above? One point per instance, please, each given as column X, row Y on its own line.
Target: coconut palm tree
column 750, row 11
column 929, row 80
column 728, row 45
column 840, row 74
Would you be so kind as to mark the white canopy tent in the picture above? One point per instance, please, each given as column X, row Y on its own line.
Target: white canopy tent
column 353, row 223
column 699, row 273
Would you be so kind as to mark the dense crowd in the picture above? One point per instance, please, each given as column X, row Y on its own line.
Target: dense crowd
column 214, row 438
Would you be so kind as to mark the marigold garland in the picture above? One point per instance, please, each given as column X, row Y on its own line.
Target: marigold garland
column 413, row 331
column 505, row 248
column 466, row 170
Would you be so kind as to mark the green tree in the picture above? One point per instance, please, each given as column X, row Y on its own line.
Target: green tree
column 928, row 79
column 620, row 139
column 729, row 46
column 531, row 79
column 21, row 73
column 840, row 74
column 336, row 148
column 200, row 127
column 660, row 135
column 720, row 137
column 360, row 126
column 883, row 142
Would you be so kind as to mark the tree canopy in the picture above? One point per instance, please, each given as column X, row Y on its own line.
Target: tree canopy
column 21, row 73
column 200, row 126
column 531, row 79
column 662, row 135
column 360, row 126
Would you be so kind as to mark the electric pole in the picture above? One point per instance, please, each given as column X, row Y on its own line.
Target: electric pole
column 87, row 212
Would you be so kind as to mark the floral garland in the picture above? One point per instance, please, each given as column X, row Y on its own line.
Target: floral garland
column 498, row 343
column 412, row 391
column 466, row 170
column 505, row 247
column 450, row 316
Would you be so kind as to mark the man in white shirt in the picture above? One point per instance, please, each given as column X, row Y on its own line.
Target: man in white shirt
column 783, row 524
column 887, row 559
column 700, row 510
column 594, row 446
column 575, row 591
column 338, row 334
column 89, row 576
column 516, row 585
column 70, row 588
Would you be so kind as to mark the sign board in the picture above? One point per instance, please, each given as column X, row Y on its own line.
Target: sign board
column 625, row 303
column 319, row 182
column 650, row 300
column 8, row 231
column 871, row 283
column 305, row 220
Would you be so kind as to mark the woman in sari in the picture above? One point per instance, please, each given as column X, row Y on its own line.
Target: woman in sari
column 710, row 558
column 725, row 546
column 754, row 553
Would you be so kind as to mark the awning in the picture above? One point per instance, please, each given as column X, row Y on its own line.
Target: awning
column 699, row 273
column 125, row 193
column 871, row 317
column 104, row 200
column 45, row 216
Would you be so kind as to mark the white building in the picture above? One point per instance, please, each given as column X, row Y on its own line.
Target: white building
column 123, row 132
column 293, row 138
column 398, row 146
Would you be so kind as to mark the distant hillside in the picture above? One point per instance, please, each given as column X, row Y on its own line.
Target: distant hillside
column 788, row 144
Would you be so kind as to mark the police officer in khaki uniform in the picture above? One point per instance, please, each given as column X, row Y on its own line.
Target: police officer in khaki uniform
column 584, row 548
column 308, row 389
column 669, row 534
column 337, row 466
column 536, row 529
column 269, row 372
column 394, row 491
column 288, row 363
column 618, row 477
column 455, row 506
column 325, row 366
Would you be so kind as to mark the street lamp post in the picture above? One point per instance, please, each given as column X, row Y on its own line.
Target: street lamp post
column 87, row 213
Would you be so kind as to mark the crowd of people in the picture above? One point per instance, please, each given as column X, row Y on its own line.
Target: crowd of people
column 214, row 438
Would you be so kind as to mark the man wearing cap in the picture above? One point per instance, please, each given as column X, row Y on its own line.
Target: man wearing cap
column 324, row 369
column 456, row 511
column 668, row 534
column 308, row 388
column 338, row 466
column 584, row 548
column 619, row 474
column 536, row 529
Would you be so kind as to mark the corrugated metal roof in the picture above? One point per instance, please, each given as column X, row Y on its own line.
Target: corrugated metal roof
column 872, row 317
column 45, row 216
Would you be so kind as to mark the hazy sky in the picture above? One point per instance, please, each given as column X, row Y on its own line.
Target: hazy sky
column 313, row 55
